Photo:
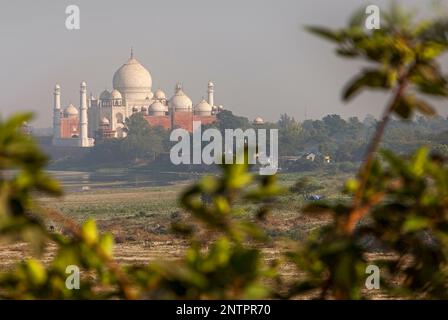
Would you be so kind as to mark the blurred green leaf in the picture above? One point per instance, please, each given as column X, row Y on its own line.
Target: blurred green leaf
column 369, row 78
column 413, row 224
column 325, row 33
column 89, row 231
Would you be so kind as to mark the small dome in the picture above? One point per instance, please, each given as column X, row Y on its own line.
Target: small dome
column 180, row 101
column 71, row 110
column 115, row 94
column 159, row 95
column 211, row 84
column 157, row 107
column 203, row 106
column 258, row 120
column 104, row 121
column 105, row 95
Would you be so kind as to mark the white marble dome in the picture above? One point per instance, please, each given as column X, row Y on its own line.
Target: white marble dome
column 133, row 80
column 157, row 109
column 157, row 106
column 71, row 111
column 115, row 94
column 180, row 101
column 203, row 107
column 159, row 94
column 258, row 120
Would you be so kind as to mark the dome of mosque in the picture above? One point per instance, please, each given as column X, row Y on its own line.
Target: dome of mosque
column 132, row 76
column 71, row 111
column 180, row 101
column 258, row 120
column 115, row 94
column 159, row 95
column 157, row 107
column 203, row 106
column 105, row 95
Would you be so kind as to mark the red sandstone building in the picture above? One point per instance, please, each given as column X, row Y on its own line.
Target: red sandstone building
column 104, row 117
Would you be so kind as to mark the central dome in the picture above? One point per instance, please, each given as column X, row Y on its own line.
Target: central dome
column 133, row 80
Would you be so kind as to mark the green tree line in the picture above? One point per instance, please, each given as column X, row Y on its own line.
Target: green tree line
column 344, row 140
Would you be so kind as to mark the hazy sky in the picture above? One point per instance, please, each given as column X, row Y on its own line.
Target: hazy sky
column 258, row 55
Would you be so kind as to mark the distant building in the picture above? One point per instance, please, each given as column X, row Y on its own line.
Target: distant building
column 104, row 117
column 70, row 128
column 310, row 156
column 258, row 121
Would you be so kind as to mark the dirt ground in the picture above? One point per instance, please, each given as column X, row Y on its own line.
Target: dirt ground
column 140, row 221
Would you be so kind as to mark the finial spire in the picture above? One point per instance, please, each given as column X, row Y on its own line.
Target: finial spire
column 132, row 52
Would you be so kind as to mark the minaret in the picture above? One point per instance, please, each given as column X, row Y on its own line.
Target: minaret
column 210, row 92
column 57, row 113
column 84, row 139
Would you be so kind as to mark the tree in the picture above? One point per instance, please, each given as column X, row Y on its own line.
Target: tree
column 227, row 120
column 143, row 142
column 289, row 135
column 402, row 59
column 334, row 124
column 106, row 151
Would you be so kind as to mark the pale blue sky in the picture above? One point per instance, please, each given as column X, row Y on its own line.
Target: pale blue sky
column 256, row 51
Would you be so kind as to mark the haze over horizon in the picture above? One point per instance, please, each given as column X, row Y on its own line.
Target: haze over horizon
column 256, row 52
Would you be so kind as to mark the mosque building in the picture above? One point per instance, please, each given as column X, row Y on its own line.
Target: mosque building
column 104, row 117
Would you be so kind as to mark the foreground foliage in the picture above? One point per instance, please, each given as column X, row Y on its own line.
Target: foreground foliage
column 228, row 268
column 399, row 206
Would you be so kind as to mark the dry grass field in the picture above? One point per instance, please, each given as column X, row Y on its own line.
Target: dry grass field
column 140, row 220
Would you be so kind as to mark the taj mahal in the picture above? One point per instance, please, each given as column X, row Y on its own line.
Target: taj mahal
column 104, row 117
